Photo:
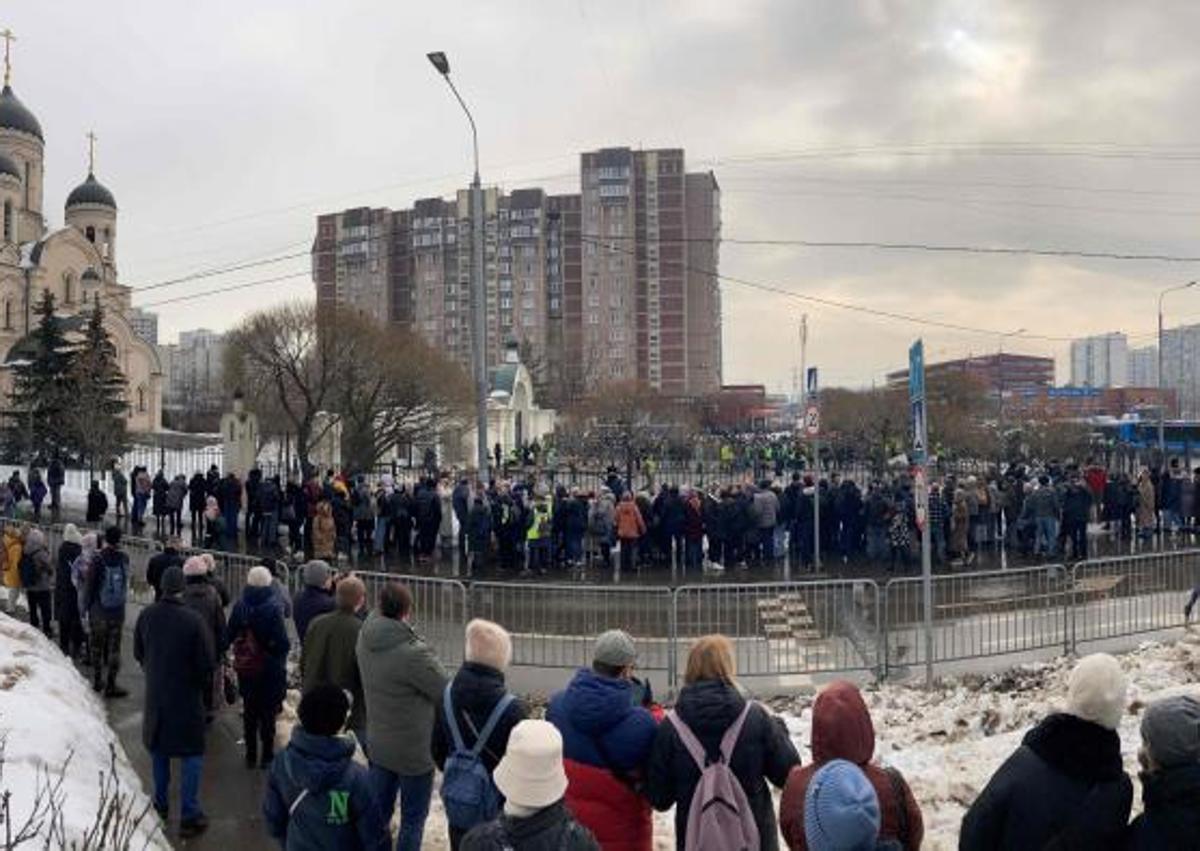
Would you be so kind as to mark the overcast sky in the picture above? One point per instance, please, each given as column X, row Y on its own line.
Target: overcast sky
column 224, row 127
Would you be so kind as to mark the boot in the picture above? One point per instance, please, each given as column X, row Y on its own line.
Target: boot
column 113, row 690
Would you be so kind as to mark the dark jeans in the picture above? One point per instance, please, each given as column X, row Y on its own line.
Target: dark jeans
column 694, row 554
column 70, row 627
column 189, row 784
column 365, row 530
column 539, row 554
column 1075, row 533
column 629, row 548
column 106, row 649
column 415, row 792
column 258, row 726
column 39, row 610
column 270, row 530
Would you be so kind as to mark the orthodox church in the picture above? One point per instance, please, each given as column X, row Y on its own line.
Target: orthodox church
column 76, row 263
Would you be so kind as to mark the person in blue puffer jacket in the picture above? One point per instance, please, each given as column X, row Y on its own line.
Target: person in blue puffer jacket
column 317, row 798
column 608, row 725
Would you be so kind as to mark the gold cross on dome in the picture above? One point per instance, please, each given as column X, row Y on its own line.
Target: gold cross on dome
column 9, row 38
column 91, row 137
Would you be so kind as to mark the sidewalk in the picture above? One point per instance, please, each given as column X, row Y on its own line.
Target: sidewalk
column 230, row 794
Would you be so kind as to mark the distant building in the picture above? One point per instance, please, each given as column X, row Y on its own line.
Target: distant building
column 1143, row 367
column 1180, row 362
column 616, row 283
column 194, row 375
column 1100, row 361
column 145, row 325
column 1010, row 374
column 1077, row 402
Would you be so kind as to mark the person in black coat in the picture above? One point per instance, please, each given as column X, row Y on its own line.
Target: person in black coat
column 476, row 689
column 66, row 596
column 159, row 563
column 479, row 533
column 1170, row 758
column 709, row 703
column 260, row 612
column 158, row 504
column 97, row 503
column 197, row 495
column 1065, row 786
column 176, row 652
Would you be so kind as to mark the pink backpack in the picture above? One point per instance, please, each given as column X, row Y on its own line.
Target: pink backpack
column 720, row 818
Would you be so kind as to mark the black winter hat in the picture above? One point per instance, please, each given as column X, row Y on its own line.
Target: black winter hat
column 323, row 710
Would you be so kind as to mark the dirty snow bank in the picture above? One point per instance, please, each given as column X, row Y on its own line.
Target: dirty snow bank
column 49, row 715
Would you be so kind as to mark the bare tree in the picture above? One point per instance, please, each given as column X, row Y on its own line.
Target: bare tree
column 289, row 364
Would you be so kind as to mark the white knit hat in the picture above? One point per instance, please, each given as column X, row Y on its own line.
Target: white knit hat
column 259, row 577
column 1097, row 690
column 70, row 534
column 531, row 772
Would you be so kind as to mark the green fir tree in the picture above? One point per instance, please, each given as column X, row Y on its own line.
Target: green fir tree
column 97, row 414
column 41, row 365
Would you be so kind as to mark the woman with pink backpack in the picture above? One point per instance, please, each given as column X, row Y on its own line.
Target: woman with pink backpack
column 713, row 756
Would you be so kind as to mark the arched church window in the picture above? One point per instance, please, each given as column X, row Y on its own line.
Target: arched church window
column 90, row 233
column 28, row 183
column 8, row 222
column 7, row 315
column 68, row 288
column 141, row 402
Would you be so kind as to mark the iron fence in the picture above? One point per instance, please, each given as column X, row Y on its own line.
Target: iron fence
column 784, row 629
column 789, row 628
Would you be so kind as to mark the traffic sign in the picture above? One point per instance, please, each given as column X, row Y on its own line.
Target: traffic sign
column 812, row 421
column 922, row 496
column 919, row 434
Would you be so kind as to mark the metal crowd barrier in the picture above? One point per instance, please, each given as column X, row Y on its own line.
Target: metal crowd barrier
column 788, row 628
column 819, row 627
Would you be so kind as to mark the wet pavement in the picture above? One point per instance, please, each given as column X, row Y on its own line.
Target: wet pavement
column 230, row 794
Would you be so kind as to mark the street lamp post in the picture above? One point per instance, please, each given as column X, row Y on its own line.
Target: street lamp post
column 1000, row 395
column 1162, row 432
column 478, row 289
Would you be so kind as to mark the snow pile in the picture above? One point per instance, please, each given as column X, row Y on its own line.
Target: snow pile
column 949, row 741
column 49, row 715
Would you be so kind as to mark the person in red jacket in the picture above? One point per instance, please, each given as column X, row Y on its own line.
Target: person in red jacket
column 842, row 729
column 608, row 723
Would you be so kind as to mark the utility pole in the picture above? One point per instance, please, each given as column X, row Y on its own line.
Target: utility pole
column 478, row 286
column 916, row 394
column 1162, row 431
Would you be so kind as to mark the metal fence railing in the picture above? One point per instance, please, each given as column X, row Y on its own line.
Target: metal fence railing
column 819, row 627
column 786, row 628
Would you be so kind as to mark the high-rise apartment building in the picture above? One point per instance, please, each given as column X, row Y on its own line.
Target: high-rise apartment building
column 1143, row 367
column 1100, row 361
column 616, row 283
column 1180, row 361
column 145, row 325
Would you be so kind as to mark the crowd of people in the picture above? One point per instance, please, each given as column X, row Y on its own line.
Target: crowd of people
column 605, row 756
column 530, row 526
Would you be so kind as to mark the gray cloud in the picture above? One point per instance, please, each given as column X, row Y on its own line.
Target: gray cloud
column 226, row 126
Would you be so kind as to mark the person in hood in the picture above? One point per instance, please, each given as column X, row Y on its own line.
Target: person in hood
column 97, row 503
column 214, row 525
column 710, row 702
column 317, row 797
column 315, row 598
column 66, row 596
column 174, row 647
column 841, row 811
column 608, row 730
column 1065, row 785
column 532, row 780
column 842, row 730
column 1170, row 760
column 403, row 683
column 259, row 614
column 159, row 563
column 476, row 690
column 38, row 581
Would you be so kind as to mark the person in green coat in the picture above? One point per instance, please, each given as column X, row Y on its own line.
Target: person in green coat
column 329, row 653
column 403, row 683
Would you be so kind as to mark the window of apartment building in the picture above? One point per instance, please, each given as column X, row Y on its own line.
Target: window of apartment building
column 593, row 300
column 506, row 302
column 554, row 304
column 593, row 318
column 528, row 320
column 527, row 302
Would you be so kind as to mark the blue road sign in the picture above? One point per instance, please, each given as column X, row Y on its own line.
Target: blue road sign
column 916, row 371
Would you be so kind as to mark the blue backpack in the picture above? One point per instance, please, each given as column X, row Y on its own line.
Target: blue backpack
column 468, row 793
column 114, row 586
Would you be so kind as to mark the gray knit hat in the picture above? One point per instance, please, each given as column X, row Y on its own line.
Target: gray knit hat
column 615, row 648
column 1171, row 731
column 316, row 573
